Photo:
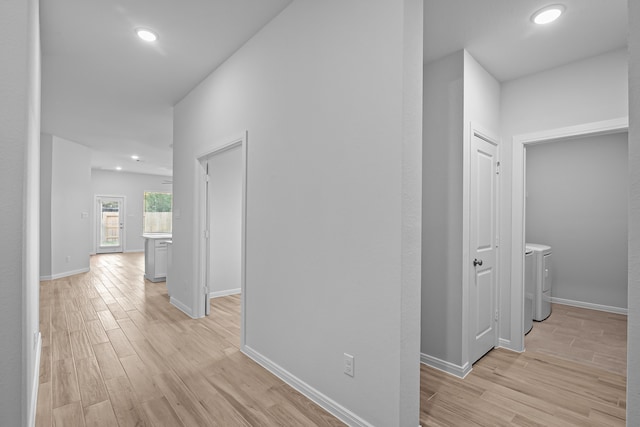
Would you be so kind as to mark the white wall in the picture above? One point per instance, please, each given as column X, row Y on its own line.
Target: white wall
column 19, row 228
column 70, row 204
column 441, row 331
column 320, row 91
column 586, row 91
column 577, row 203
column 46, row 158
column 633, row 334
column 225, row 202
column 458, row 92
column 132, row 186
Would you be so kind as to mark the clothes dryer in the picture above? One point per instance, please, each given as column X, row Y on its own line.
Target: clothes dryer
column 543, row 280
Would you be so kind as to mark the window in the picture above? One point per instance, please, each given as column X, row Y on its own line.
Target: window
column 156, row 217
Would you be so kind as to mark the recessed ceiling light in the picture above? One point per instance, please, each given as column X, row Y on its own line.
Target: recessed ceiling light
column 146, row 34
column 548, row 14
column 118, row 168
column 135, row 157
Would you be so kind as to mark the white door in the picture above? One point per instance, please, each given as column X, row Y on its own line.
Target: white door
column 110, row 222
column 483, row 246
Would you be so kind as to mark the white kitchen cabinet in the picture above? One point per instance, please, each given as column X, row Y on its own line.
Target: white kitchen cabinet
column 156, row 256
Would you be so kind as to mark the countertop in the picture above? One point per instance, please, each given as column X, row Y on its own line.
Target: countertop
column 157, row 235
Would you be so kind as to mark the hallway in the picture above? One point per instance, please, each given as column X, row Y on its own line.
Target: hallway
column 116, row 353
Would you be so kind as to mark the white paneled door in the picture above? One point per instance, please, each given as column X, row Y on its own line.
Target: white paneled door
column 483, row 246
column 110, row 221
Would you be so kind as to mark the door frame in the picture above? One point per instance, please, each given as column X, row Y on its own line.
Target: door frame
column 518, row 217
column 492, row 137
column 201, row 293
column 96, row 228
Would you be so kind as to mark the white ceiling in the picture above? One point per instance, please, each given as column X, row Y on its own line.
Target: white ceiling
column 104, row 88
column 499, row 34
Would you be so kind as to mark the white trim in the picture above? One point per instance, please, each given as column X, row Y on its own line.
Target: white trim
column 35, row 384
column 182, row 307
column 130, row 251
column 518, row 210
column 506, row 344
column 65, row 274
column 220, row 294
column 590, row 305
column 200, row 244
column 446, row 367
column 325, row 402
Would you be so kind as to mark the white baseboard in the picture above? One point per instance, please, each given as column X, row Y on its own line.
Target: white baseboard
column 444, row 366
column 33, row 403
column 591, row 306
column 128, row 251
column 218, row 294
column 64, row 274
column 507, row 344
column 181, row 306
column 328, row 404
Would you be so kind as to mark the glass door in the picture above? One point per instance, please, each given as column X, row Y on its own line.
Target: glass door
column 110, row 220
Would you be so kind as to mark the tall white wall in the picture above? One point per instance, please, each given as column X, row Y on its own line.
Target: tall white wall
column 70, row 206
column 132, row 186
column 19, row 228
column 225, row 209
column 458, row 93
column 320, row 91
column 586, row 91
column 443, row 112
column 576, row 202
column 633, row 331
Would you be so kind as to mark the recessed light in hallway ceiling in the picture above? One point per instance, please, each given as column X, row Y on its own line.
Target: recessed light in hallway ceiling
column 146, row 34
column 548, row 14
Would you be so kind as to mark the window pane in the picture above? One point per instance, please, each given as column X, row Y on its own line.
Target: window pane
column 157, row 212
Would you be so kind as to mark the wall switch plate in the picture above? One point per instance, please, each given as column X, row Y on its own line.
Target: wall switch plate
column 349, row 364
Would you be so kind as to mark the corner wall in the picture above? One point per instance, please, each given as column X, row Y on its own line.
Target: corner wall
column 633, row 333
column 68, row 194
column 458, row 93
column 19, row 228
column 320, row 91
column 442, row 156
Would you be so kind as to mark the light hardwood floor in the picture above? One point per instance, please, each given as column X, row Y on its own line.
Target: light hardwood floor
column 116, row 353
column 573, row 373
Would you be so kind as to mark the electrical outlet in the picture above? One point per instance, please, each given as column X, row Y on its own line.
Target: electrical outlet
column 349, row 361
column 68, row 258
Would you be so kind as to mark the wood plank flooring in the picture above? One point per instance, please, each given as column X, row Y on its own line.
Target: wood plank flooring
column 116, row 353
column 573, row 373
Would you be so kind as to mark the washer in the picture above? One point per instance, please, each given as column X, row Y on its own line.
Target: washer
column 543, row 280
column 529, row 289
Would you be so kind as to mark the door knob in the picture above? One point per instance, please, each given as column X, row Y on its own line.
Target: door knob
column 477, row 262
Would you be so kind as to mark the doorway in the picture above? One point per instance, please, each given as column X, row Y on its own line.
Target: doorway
column 222, row 224
column 110, row 224
column 518, row 219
